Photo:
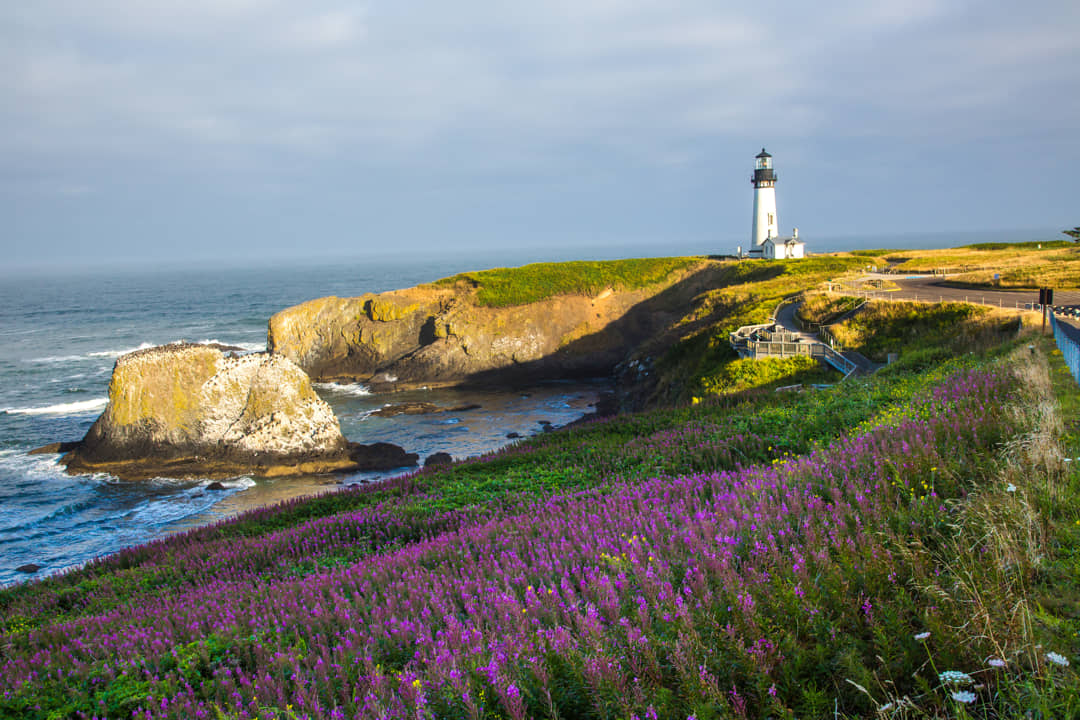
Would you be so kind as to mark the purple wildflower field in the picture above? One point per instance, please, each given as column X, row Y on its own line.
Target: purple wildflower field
column 726, row 594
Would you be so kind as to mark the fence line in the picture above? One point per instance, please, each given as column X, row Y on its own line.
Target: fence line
column 1069, row 345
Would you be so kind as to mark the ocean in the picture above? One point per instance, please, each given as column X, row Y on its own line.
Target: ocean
column 61, row 332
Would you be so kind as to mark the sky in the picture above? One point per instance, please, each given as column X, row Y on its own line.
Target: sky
column 233, row 130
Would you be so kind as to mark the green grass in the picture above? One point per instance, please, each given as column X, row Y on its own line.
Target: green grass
column 503, row 287
column 875, row 254
column 1033, row 245
column 748, row 374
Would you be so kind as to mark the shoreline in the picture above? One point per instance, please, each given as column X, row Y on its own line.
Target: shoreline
column 132, row 513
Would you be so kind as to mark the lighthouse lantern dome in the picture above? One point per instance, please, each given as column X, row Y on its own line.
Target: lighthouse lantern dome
column 764, row 161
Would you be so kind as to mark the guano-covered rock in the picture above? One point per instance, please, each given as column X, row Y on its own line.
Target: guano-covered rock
column 182, row 410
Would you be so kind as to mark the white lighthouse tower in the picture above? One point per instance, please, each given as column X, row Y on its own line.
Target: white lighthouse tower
column 765, row 225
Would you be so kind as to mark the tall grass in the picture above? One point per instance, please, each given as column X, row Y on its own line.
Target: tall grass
column 881, row 327
column 823, row 308
column 983, row 572
column 1017, row 265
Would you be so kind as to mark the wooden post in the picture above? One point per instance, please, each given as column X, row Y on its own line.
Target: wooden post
column 1046, row 297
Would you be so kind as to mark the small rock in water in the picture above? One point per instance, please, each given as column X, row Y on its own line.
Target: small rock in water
column 381, row 456
column 53, row 448
column 409, row 408
column 215, row 486
column 439, row 458
column 513, row 436
column 29, row 568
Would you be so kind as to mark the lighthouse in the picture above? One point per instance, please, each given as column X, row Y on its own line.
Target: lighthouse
column 764, row 201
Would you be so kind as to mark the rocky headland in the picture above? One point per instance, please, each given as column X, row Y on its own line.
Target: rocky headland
column 440, row 334
column 199, row 410
column 202, row 410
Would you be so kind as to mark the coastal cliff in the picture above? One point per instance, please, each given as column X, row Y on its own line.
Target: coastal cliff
column 445, row 334
column 187, row 409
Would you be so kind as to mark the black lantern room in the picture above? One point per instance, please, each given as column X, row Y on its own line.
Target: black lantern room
column 763, row 170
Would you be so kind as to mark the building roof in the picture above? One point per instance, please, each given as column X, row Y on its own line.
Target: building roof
column 787, row 240
column 763, row 154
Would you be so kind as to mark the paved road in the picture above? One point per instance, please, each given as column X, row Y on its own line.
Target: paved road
column 932, row 289
column 786, row 319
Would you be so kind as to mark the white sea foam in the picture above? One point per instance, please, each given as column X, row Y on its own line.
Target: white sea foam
column 36, row 466
column 247, row 347
column 75, row 408
column 118, row 353
column 237, row 483
column 352, row 389
column 113, row 354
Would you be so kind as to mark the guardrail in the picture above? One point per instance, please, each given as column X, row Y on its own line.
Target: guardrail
column 826, row 336
column 1068, row 342
column 819, row 351
column 745, row 341
column 837, row 360
column 779, row 348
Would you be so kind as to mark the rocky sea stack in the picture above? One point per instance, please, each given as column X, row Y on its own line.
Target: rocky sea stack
column 198, row 410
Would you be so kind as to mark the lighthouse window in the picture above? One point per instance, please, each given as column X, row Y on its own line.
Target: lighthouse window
column 771, row 220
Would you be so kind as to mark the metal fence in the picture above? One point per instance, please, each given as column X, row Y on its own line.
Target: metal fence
column 1068, row 342
column 763, row 348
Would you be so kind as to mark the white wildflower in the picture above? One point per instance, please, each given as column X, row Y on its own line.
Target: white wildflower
column 1011, row 488
column 1057, row 659
column 963, row 696
column 996, row 662
column 955, row 677
column 922, row 636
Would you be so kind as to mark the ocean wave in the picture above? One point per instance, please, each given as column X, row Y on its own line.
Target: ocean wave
column 21, row 462
column 237, row 483
column 53, row 359
column 353, row 389
column 113, row 354
column 247, row 347
column 118, row 353
column 74, row 408
column 67, row 378
column 241, row 482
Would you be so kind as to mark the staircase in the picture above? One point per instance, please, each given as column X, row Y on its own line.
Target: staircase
column 783, row 338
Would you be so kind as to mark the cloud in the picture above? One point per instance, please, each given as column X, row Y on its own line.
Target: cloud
column 326, row 31
column 217, row 86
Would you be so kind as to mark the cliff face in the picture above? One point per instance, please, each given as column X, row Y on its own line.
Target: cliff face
column 193, row 409
column 432, row 335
